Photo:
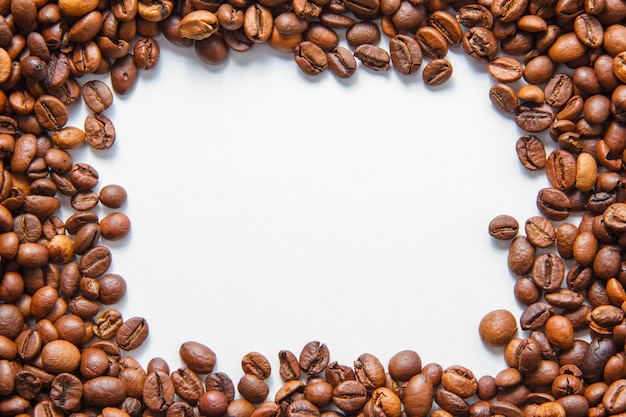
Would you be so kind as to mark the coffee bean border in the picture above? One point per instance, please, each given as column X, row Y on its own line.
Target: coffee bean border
column 559, row 66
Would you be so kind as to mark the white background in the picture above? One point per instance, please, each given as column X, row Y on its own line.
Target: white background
column 270, row 208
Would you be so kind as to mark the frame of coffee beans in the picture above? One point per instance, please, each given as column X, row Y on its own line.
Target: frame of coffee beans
column 559, row 66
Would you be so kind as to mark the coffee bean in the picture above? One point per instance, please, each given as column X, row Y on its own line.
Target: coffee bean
column 536, row 315
column 472, row 15
column 97, row 95
column 198, row 357
column 258, row 23
column 503, row 96
column 310, row 58
column 341, row 62
column 158, row 391
column 132, row 333
column 531, row 152
column 533, row 117
column 350, row 396
column 289, row 368
column 505, row 69
column 521, row 256
column 123, row 74
column 480, row 44
column 406, row 54
column 436, row 72
column 373, row 57
column 503, row 227
column 447, row 25
column 256, row 364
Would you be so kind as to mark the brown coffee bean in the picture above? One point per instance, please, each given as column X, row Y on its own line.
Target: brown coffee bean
column 406, row 54
column 132, row 333
column 221, row 382
column 505, row 69
column 432, row 42
column 351, row 396
column 480, row 44
column 66, row 391
column 310, row 58
column 198, row 357
column 531, row 152
column 536, row 315
column 95, row 262
column 503, row 227
column 123, row 74
column 521, row 256
column 472, row 15
column 497, row 327
column 373, row 57
column 258, row 23
column 158, row 391
column 533, row 117
column 567, row 47
column 553, row 204
column 256, row 364
column 51, row 113
column 363, row 33
column 253, row 389
column 60, row 356
column 97, row 95
column 558, row 90
column 503, row 96
column 341, row 62
column 540, row 231
column 369, row 371
column 436, row 72
column 314, row 357
column 561, row 169
column 447, row 25
column 289, row 367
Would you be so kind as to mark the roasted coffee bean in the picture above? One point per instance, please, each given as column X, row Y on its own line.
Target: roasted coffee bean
column 558, row 90
column 447, row 25
column 97, row 95
column 496, row 328
column 256, row 364
column 536, row 315
column 341, row 62
column 531, row 152
column 540, row 231
column 373, row 57
column 253, row 389
column 480, row 44
column 363, row 33
column 123, row 74
column 132, row 333
column 553, row 203
column 369, row 371
column 258, row 23
column 503, row 96
column 198, row 357
column 534, row 117
column 351, row 396
column 289, row 367
column 561, row 169
column 310, row 58
column 314, row 358
column 472, row 15
column 158, row 391
column 503, row 227
column 436, row 72
column 505, row 69
column 406, row 54
column 521, row 256
column 221, row 382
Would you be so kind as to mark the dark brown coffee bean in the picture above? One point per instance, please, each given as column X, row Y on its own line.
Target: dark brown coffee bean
column 503, row 227
column 256, row 364
column 314, row 358
column 258, row 23
column 158, row 391
column 253, row 389
column 341, row 62
column 363, row 33
column 310, row 58
column 289, row 367
column 561, row 169
column 447, row 25
column 187, row 385
column 212, row 50
column 432, row 42
column 505, row 69
column 290, row 24
column 99, row 131
column 198, row 357
column 480, row 44
column 540, row 231
column 124, row 74
column 66, row 391
column 548, row 272
column 132, row 333
column 536, row 315
column 97, row 95
column 533, row 117
column 336, row 373
column 531, row 152
column 369, row 371
column 406, row 54
column 503, row 96
column 51, row 112
column 436, row 72
column 558, row 90
column 350, row 396
column 221, row 382
column 336, row 21
column 373, row 57
column 521, row 256
column 95, row 262
column 471, row 15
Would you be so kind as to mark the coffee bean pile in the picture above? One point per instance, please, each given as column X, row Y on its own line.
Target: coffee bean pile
column 559, row 67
